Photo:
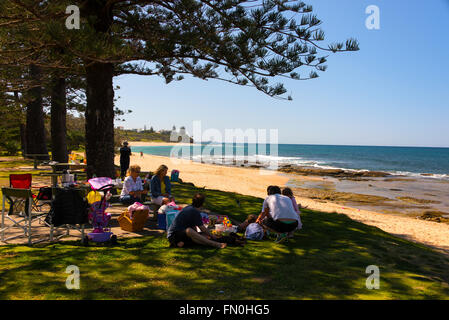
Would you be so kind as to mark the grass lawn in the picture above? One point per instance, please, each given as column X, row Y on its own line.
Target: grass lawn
column 325, row 260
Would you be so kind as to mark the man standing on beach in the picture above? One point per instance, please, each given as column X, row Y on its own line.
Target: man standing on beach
column 125, row 153
column 182, row 232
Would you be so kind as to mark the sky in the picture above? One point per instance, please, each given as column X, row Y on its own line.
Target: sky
column 393, row 92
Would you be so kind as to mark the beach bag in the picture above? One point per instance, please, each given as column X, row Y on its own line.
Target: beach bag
column 170, row 217
column 45, row 193
column 205, row 218
column 254, row 232
column 174, row 176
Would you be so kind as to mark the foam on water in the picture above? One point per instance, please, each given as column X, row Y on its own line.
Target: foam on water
column 432, row 163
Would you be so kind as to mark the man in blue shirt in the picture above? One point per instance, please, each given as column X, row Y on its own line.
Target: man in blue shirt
column 182, row 231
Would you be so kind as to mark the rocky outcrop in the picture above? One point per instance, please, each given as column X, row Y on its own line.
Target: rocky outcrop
column 338, row 173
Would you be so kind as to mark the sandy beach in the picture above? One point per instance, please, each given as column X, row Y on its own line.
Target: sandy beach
column 253, row 181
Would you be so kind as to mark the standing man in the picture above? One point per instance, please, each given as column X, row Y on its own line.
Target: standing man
column 125, row 153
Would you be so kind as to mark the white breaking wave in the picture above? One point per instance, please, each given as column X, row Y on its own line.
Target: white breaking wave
column 420, row 175
column 266, row 160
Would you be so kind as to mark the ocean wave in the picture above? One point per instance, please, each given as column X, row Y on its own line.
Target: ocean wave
column 420, row 175
column 266, row 160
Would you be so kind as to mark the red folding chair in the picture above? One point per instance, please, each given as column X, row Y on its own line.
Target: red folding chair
column 24, row 181
column 20, row 181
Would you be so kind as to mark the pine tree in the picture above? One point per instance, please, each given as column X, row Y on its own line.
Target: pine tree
column 238, row 41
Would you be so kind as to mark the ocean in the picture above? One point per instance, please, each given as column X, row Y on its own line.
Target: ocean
column 408, row 161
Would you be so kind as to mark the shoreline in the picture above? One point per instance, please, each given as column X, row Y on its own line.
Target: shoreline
column 314, row 170
column 155, row 144
column 254, row 181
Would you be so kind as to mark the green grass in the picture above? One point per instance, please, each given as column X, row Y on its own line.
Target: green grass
column 325, row 260
column 13, row 162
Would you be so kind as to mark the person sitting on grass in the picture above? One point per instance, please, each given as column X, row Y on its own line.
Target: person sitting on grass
column 289, row 193
column 182, row 232
column 278, row 214
column 160, row 185
column 132, row 187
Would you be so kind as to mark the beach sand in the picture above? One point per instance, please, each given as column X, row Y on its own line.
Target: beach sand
column 253, row 182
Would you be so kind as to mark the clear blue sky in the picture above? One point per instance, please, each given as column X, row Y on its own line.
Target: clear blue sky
column 394, row 91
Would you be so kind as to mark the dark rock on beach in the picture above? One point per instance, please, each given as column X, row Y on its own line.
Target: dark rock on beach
column 338, row 173
column 435, row 216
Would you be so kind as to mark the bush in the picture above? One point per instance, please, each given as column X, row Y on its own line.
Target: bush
column 12, row 148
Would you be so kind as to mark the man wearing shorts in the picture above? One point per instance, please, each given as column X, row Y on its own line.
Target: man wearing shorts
column 182, row 232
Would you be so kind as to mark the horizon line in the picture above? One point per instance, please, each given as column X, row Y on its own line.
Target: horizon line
column 338, row 145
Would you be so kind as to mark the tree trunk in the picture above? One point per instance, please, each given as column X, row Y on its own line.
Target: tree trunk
column 58, row 121
column 23, row 143
column 100, row 99
column 35, row 129
column 22, row 128
column 100, row 120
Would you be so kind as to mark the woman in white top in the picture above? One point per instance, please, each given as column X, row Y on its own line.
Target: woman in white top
column 278, row 214
column 132, row 186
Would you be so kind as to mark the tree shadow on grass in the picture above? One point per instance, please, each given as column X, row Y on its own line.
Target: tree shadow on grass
column 325, row 260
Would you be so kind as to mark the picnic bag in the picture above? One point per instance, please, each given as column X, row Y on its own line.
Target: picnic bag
column 254, row 232
column 136, row 223
column 174, row 175
column 45, row 193
column 68, row 207
column 170, row 217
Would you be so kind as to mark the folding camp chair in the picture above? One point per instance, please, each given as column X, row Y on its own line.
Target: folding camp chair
column 19, row 181
column 68, row 212
column 24, row 222
column 24, row 181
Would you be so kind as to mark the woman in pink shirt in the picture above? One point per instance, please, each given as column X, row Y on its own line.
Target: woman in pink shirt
column 289, row 193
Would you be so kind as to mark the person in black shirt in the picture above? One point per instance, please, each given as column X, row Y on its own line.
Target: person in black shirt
column 182, row 232
column 125, row 153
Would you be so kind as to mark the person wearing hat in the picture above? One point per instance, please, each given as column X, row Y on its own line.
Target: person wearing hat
column 125, row 153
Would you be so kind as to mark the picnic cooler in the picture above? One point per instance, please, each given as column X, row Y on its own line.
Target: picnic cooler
column 162, row 221
column 170, row 217
column 136, row 223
